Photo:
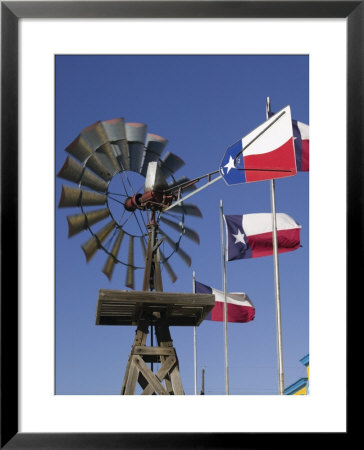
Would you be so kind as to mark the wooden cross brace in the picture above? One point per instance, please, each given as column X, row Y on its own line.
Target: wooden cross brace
column 138, row 371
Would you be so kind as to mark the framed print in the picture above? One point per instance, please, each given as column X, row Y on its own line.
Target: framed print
column 55, row 56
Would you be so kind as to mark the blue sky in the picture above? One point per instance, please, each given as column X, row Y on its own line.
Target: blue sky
column 202, row 105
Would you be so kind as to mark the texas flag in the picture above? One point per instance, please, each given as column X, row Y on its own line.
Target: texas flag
column 239, row 307
column 251, row 236
column 301, row 140
column 264, row 154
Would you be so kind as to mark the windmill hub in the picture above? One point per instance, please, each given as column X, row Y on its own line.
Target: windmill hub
column 153, row 200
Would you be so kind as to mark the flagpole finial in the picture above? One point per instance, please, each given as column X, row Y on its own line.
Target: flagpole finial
column 268, row 105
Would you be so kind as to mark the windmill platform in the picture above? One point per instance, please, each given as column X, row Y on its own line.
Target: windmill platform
column 147, row 309
column 117, row 307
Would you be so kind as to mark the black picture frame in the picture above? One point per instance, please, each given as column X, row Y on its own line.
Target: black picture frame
column 11, row 12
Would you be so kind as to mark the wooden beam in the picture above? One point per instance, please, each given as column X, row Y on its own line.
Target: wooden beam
column 162, row 373
column 149, row 376
column 132, row 376
column 144, row 350
column 139, row 340
column 165, row 341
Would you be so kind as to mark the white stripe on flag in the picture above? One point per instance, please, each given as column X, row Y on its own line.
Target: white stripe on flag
column 262, row 223
column 274, row 137
column 235, row 298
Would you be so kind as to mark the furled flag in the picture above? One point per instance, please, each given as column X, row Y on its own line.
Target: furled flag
column 239, row 307
column 265, row 153
column 301, row 140
column 250, row 235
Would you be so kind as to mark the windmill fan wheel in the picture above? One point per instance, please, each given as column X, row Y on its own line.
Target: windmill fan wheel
column 108, row 164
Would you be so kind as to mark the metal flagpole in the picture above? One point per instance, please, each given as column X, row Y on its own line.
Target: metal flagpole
column 194, row 337
column 203, row 382
column 276, row 279
column 225, row 299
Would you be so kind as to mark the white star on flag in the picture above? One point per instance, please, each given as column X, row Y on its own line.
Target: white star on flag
column 230, row 164
column 239, row 237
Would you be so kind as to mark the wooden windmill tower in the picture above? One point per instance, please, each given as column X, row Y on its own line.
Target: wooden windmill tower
column 114, row 150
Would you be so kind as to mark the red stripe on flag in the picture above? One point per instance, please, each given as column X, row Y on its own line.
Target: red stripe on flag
column 305, row 167
column 236, row 313
column 262, row 245
column 282, row 158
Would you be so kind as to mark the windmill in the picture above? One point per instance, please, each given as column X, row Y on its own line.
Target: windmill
column 118, row 168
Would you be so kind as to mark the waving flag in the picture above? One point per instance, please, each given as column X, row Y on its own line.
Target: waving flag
column 239, row 307
column 265, row 153
column 301, row 140
column 250, row 235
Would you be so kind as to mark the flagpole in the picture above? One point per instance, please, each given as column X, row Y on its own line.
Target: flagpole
column 194, row 337
column 223, row 249
column 276, row 279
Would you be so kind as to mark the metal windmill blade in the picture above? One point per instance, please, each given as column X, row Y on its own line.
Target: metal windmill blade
column 99, row 142
column 82, row 151
column 95, row 135
column 72, row 197
column 170, row 163
column 182, row 229
column 171, row 273
column 115, row 129
column 112, row 259
column 80, row 222
column 187, row 209
column 116, row 135
column 142, row 243
column 94, row 243
column 75, row 172
column 108, row 154
column 130, row 270
column 136, row 133
column 176, row 247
